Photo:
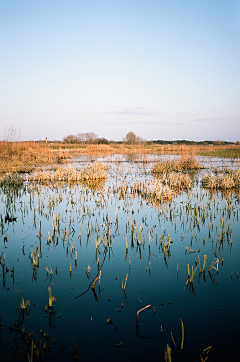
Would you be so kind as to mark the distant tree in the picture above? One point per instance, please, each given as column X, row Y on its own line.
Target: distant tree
column 81, row 137
column 90, row 137
column 102, row 140
column 70, row 139
column 131, row 138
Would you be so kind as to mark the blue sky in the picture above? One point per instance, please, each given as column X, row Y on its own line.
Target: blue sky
column 164, row 69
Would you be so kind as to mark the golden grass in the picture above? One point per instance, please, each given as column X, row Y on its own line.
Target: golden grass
column 186, row 162
column 26, row 156
column 154, row 192
column 222, row 180
column 91, row 175
column 177, row 181
column 142, row 148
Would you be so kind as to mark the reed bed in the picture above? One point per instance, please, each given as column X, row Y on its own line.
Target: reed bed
column 187, row 162
column 222, row 180
column 26, row 156
column 177, row 181
column 92, row 174
column 154, row 191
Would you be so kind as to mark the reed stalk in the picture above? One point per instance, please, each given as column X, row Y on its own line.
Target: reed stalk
column 21, row 300
column 126, row 278
column 167, row 352
column 182, row 334
column 214, row 264
column 204, row 262
column 140, row 310
column 193, row 273
column 51, row 297
column 173, row 341
column 94, row 283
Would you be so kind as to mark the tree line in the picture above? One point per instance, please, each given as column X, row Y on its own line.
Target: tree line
column 132, row 139
column 92, row 138
column 85, row 138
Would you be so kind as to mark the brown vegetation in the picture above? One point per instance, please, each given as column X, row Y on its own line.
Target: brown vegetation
column 186, row 162
column 92, row 175
column 26, row 156
column 222, row 180
column 143, row 148
column 154, row 192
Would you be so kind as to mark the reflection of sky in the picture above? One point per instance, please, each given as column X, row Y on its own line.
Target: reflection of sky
column 164, row 70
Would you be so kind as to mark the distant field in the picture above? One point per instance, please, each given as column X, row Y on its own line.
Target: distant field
column 231, row 151
column 234, row 153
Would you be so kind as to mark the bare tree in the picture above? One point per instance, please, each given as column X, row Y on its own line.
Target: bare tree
column 81, row 137
column 90, row 137
column 70, row 139
column 131, row 138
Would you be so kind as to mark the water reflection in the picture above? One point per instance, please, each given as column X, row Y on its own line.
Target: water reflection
column 109, row 253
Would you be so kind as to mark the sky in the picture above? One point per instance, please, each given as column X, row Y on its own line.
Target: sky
column 163, row 69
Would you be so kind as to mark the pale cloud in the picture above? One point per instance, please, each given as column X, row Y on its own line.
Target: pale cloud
column 132, row 111
column 220, row 120
column 81, row 121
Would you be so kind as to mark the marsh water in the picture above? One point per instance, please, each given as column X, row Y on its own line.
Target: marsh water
column 105, row 255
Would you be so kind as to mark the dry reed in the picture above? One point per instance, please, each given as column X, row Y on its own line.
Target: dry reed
column 90, row 175
column 26, row 156
column 154, row 191
column 222, row 180
column 186, row 162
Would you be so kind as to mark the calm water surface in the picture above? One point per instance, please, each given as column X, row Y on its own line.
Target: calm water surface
column 99, row 324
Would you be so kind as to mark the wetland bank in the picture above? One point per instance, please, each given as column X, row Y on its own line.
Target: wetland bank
column 121, row 257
